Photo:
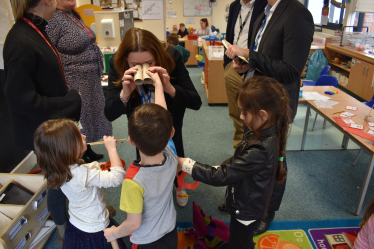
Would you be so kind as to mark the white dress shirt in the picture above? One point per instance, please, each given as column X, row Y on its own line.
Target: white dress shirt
column 268, row 10
column 243, row 38
column 87, row 207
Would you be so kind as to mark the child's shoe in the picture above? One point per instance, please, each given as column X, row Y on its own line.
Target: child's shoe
column 182, row 197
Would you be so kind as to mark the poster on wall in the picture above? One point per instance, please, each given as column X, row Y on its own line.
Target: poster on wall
column 153, row 10
column 196, row 8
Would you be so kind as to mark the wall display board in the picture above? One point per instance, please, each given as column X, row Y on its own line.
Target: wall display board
column 196, row 8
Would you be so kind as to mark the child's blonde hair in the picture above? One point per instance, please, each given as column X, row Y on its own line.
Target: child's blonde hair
column 264, row 93
column 58, row 144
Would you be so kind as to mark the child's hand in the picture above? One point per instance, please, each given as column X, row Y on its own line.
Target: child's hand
column 102, row 165
column 155, row 78
column 110, row 142
column 109, row 234
column 165, row 79
column 180, row 163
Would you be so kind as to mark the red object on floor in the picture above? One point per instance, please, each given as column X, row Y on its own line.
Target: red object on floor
column 35, row 171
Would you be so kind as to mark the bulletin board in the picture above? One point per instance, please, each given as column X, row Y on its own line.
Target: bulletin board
column 197, row 8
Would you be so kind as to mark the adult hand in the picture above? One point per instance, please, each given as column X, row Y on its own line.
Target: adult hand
column 234, row 51
column 128, row 84
column 239, row 66
column 165, row 79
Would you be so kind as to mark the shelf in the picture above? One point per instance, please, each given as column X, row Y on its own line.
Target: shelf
column 340, row 66
column 342, row 84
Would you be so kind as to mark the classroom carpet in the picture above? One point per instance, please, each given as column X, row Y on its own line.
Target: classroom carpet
column 306, row 234
column 322, row 184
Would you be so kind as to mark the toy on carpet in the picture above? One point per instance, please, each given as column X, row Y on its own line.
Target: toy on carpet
column 331, row 92
column 208, row 233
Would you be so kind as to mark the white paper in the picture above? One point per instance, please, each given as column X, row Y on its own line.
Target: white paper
column 347, row 114
column 190, row 20
column 325, row 103
column 172, row 14
column 152, row 10
column 135, row 13
column 371, row 132
column 354, row 108
column 371, row 128
column 314, row 96
column 370, row 124
column 349, row 121
column 357, row 126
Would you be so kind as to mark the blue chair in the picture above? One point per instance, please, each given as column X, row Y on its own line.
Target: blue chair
column 324, row 71
column 325, row 80
column 369, row 104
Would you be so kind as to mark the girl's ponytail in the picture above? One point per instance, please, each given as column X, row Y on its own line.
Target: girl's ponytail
column 283, row 125
column 264, row 93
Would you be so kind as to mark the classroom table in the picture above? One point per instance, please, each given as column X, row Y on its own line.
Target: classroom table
column 344, row 100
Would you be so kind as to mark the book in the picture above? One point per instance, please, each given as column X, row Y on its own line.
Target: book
column 226, row 43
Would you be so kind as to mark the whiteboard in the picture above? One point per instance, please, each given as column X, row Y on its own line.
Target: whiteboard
column 196, row 8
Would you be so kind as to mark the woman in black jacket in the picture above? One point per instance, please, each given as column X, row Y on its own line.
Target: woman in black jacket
column 35, row 85
column 138, row 47
column 258, row 160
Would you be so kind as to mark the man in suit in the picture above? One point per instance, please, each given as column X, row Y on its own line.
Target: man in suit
column 279, row 48
column 242, row 16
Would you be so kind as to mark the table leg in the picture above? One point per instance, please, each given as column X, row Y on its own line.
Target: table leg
column 305, row 127
column 345, row 142
column 365, row 185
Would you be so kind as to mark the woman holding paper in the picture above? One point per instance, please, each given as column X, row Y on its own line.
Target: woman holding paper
column 138, row 48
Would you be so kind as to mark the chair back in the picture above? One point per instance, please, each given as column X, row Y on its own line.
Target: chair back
column 325, row 70
column 370, row 103
column 327, row 80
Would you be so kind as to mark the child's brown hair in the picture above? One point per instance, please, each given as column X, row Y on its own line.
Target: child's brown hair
column 369, row 211
column 150, row 127
column 182, row 25
column 264, row 93
column 58, row 144
column 173, row 39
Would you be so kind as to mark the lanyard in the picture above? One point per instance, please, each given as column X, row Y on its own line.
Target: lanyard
column 53, row 49
column 242, row 24
column 82, row 26
column 260, row 32
column 143, row 96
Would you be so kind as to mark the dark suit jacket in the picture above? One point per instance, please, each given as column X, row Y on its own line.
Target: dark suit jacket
column 234, row 15
column 284, row 46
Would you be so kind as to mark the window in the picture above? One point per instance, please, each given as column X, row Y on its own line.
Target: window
column 334, row 14
column 315, row 7
column 365, row 19
column 335, row 19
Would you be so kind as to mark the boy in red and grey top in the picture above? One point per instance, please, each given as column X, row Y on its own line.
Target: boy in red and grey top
column 148, row 186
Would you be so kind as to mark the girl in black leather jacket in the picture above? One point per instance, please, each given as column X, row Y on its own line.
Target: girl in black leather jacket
column 251, row 172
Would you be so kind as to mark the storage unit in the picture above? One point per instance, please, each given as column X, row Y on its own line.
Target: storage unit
column 20, row 223
column 214, row 78
column 122, row 20
column 361, row 74
column 192, row 46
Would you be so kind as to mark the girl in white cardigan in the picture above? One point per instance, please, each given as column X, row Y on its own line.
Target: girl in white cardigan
column 59, row 145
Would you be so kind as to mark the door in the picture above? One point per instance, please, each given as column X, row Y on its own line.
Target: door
column 368, row 81
column 355, row 81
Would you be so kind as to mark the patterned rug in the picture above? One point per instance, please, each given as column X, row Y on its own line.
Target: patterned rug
column 320, row 234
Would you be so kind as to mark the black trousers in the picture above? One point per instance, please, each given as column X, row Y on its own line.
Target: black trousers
column 168, row 241
column 241, row 236
column 56, row 202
